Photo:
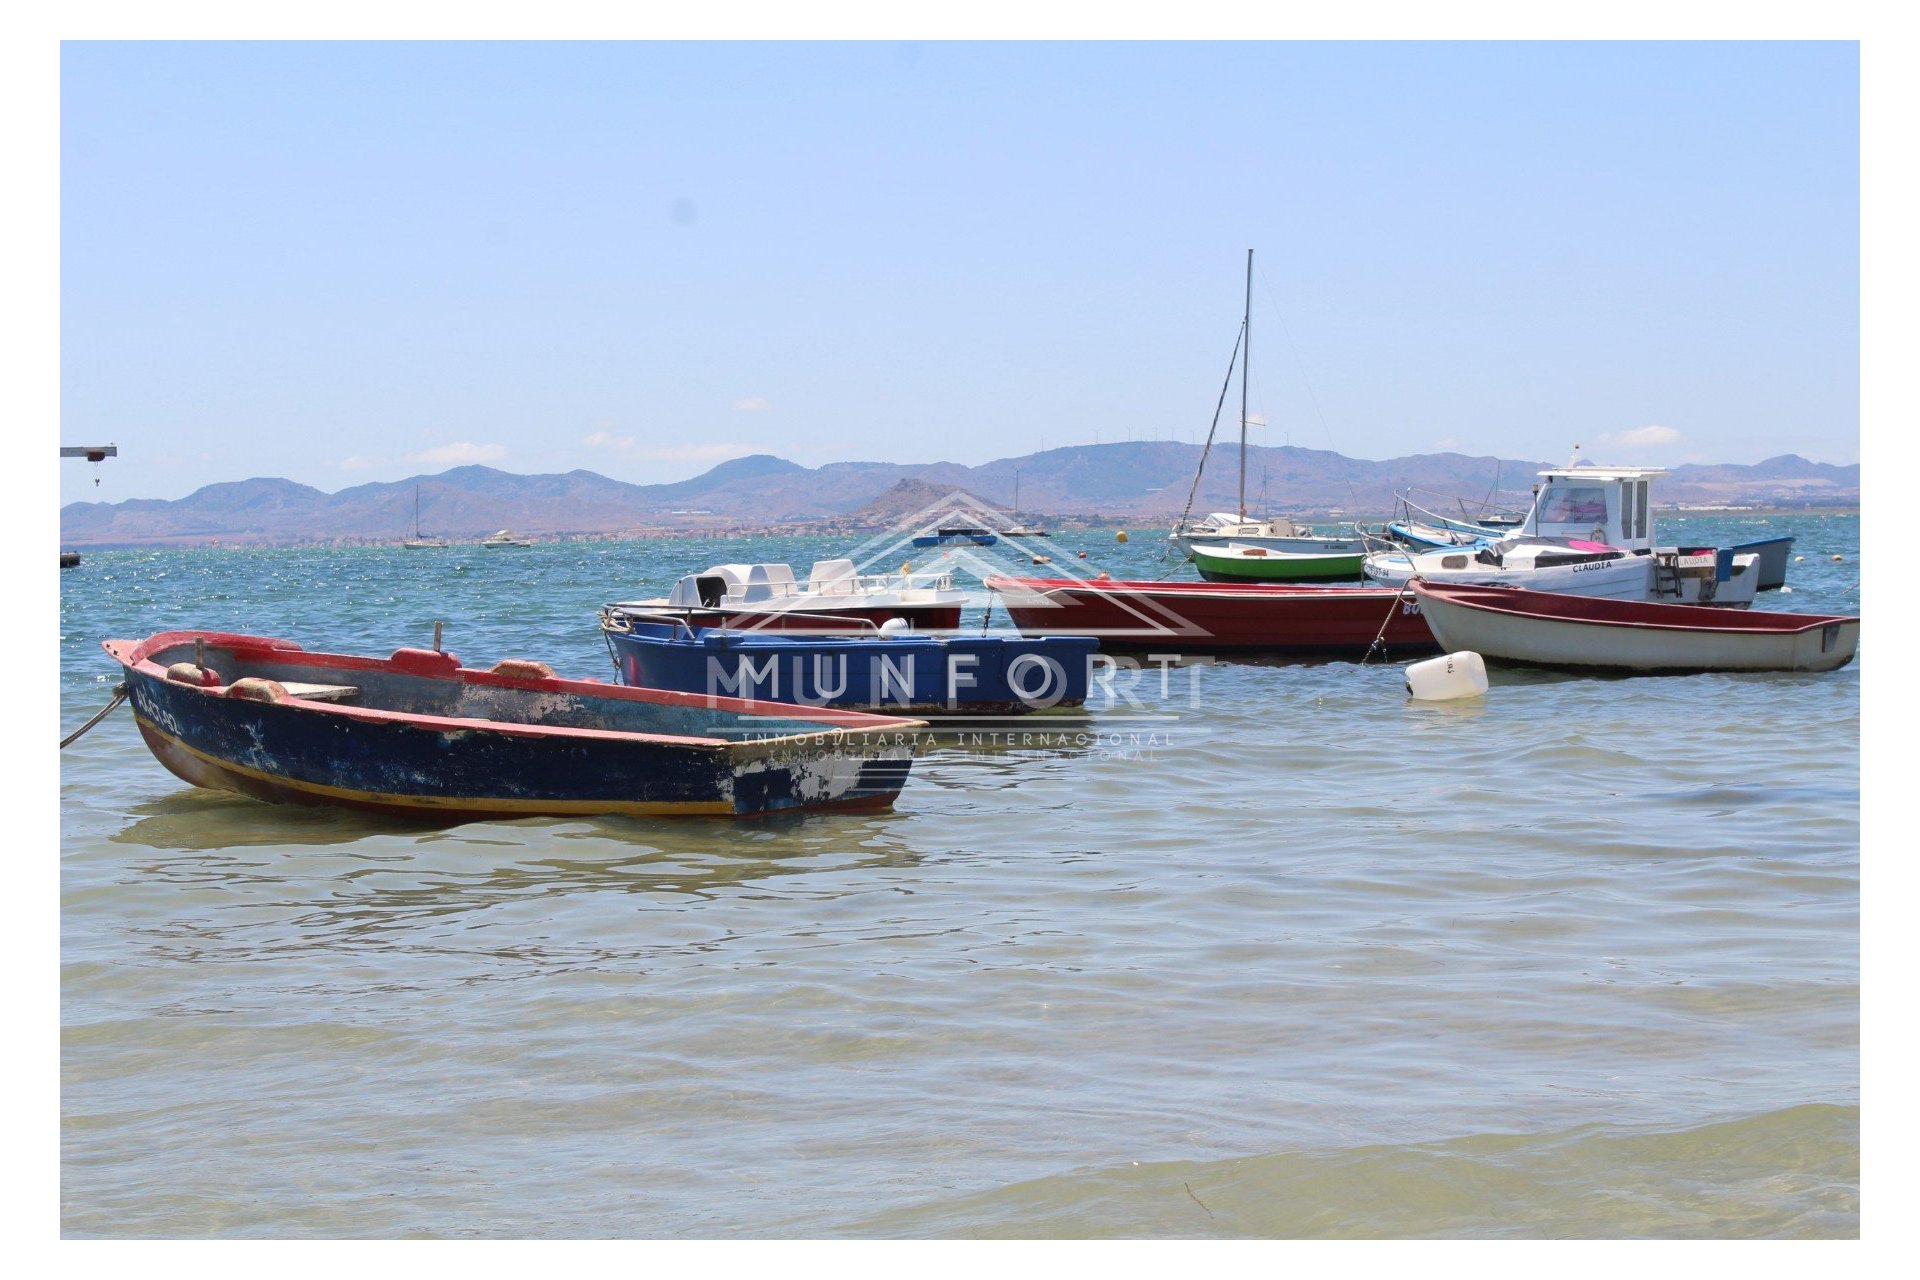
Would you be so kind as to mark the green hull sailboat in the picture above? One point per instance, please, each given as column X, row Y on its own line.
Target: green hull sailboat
column 1237, row 563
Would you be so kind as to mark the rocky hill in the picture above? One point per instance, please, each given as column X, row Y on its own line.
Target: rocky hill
column 1144, row 482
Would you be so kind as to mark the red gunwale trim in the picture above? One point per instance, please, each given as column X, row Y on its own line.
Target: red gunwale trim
column 137, row 655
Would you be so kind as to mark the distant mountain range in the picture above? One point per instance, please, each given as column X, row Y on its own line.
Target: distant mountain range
column 1137, row 483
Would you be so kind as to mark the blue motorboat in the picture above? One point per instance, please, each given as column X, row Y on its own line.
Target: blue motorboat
column 981, row 673
column 957, row 534
column 1773, row 559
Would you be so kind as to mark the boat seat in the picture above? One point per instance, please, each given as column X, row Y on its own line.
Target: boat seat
column 764, row 581
column 320, row 692
column 832, row 577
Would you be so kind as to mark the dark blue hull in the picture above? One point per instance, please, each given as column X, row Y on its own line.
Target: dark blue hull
column 394, row 737
column 948, row 539
column 900, row 673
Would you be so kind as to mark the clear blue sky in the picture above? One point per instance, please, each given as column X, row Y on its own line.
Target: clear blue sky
column 351, row 262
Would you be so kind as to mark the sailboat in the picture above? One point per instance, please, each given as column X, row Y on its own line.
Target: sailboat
column 1020, row 530
column 1221, row 530
column 416, row 542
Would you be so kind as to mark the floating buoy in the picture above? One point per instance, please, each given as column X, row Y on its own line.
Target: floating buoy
column 1120, row 536
column 1083, row 555
column 1798, row 559
column 1452, row 675
column 1786, row 591
column 1837, row 559
column 906, row 566
column 1103, row 576
column 1043, row 559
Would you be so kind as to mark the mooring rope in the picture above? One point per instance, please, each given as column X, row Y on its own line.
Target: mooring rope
column 1379, row 638
column 119, row 696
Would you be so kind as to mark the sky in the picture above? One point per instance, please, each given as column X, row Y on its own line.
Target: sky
column 347, row 262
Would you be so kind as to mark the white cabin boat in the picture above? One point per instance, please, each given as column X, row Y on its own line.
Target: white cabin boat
column 505, row 538
column 1590, row 532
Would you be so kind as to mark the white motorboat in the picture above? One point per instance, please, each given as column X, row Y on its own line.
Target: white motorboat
column 505, row 538
column 1590, row 533
column 835, row 596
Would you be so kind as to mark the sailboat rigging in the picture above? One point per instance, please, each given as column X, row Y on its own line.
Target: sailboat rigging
column 416, row 542
column 1221, row 529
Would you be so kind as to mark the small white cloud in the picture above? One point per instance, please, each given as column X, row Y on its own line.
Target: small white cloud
column 1645, row 437
column 461, row 451
column 1449, row 444
column 608, row 440
column 356, row 463
column 752, row 404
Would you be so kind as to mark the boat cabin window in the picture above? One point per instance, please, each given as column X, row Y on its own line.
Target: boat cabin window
column 712, row 588
column 1586, row 504
column 1640, row 506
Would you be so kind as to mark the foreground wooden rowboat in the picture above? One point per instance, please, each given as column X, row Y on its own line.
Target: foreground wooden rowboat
column 1541, row 628
column 418, row 735
column 1206, row 617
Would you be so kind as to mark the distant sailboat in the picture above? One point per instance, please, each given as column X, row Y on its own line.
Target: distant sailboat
column 416, row 542
column 1233, row 528
column 1021, row 530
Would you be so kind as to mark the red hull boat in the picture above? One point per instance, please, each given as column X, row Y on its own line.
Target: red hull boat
column 1214, row 617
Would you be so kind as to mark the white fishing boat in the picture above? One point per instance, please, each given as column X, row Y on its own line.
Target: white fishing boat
column 1590, row 532
column 1540, row 628
column 1220, row 528
column 505, row 538
column 835, row 596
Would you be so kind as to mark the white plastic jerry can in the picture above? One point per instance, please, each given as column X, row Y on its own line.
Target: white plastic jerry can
column 1452, row 675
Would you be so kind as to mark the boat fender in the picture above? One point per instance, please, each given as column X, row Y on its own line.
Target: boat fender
column 521, row 669
column 1599, row 533
column 1452, row 675
column 425, row 662
column 256, row 689
column 188, row 673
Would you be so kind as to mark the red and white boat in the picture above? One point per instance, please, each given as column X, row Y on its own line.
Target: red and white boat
column 1550, row 629
column 835, row 597
column 1216, row 617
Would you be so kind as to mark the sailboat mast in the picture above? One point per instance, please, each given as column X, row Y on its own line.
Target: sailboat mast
column 1246, row 361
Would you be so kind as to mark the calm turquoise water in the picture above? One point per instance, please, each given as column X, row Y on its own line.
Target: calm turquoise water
column 1294, row 956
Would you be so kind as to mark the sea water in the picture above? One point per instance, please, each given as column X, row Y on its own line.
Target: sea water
column 1273, row 951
